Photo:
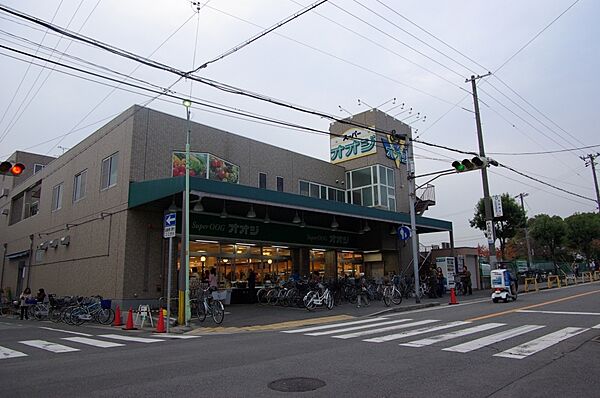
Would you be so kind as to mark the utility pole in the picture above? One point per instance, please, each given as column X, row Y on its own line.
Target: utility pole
column 592, row 162
column 529, row 259
column 489, row 219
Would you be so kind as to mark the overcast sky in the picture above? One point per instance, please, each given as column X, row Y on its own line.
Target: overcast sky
column 329, row 58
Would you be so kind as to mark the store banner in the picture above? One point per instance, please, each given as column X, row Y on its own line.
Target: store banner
column 206, row 165
column 353, row 143
column 213, row 226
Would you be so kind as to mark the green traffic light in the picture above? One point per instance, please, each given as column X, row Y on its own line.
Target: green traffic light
column 461, row 167
column 458, row 166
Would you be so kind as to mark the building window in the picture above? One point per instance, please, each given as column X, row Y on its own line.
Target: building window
column 320, row 191
column 262, row 180
column 57, row 193
column 79, row 186
column 109, row 172
column 280, row 184
column 38, row 167
column 372, row 186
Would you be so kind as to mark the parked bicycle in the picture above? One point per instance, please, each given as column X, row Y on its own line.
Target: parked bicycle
column 209, row 303
column 320, row 296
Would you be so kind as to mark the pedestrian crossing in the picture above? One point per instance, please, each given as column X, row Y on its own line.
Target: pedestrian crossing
column 477, row 336
column 61, row 345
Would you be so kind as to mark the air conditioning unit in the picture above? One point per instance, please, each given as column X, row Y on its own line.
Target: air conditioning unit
column 65, row 240
column 43, row 245
column 54, row 243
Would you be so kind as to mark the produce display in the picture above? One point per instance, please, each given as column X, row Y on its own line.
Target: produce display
column 221, row 170
column 197, row 164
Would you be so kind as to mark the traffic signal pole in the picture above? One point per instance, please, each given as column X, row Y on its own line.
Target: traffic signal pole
column 592, row 162
column 487, row 202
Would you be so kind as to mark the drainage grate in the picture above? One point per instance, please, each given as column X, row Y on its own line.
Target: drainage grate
column 296, row 384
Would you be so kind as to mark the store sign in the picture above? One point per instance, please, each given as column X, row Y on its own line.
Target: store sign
column 395, row 149
column 352, row 144
column 213, row 226
column 206, row 165
column 497, row 206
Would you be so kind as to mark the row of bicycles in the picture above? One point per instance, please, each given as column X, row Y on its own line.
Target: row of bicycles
column 313, row 294
column 73, row 310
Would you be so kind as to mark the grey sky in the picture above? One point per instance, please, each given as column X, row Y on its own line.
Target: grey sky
column 557, row 73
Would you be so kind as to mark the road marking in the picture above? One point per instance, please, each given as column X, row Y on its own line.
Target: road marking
column 452, row 335
column 66, row 331
column 174, row 336
column 130, row 338
column 381, row 330
column 8, row 353
column 48, row 346
column 537, row 345
column 532, row 306
column 491, row 339
column 93, row 342
column 415, row 332
column 358, row 327
column 310, row 329
column 561, row 312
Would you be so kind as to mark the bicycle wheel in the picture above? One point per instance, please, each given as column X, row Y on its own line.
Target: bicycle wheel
column 218, row 311
column 54, row 315
column 104, row 316
column 261, row 296
column 39, row 311
column 201, row 311
column 77, row 316
column 329, row 300
column 272, row 296
column 387, row 297
column 309, row 300
column 396, row 297
column 65, row 314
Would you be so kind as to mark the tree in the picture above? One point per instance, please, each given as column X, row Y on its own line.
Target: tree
column 550, row 233
column 507, row 226
column 582, row 230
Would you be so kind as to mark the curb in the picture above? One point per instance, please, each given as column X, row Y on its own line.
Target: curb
column 406, row 308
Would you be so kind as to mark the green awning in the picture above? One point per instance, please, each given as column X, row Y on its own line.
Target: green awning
column 144, row 192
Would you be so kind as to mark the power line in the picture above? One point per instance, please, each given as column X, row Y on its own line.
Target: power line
column 261, row 34
column 544, row 152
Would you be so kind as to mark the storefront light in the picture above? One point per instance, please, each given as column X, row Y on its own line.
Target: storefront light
column 269, row 261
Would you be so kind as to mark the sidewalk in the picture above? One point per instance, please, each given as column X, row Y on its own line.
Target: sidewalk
column 254, row 317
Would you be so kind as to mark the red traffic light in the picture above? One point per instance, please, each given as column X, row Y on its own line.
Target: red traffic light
column 8, row 167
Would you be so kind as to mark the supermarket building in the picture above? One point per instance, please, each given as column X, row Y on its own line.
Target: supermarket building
column 91, row 221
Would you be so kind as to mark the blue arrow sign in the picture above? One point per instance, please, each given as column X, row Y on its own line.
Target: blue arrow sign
column 170, row 219
column 404, row 233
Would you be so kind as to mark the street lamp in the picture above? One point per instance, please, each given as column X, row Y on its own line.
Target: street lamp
column 184, row 309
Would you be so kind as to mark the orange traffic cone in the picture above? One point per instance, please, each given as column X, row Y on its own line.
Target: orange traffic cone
column 118, row 320
column 160, row 326
column 452, row 297
column 129, row 325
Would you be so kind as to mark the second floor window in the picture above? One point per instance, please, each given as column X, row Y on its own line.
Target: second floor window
column 79, row 186
column 37, row 168
column 109, row 172
column 262, row 180
column 57, row 194
column 280, row 184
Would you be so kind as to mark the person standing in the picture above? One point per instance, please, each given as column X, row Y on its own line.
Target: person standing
column 251, row 279
column 24, row 303
column 466, row 280
column 212, row 279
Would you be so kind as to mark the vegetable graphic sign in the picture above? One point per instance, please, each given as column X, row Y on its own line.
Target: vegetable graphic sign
column 206, row 165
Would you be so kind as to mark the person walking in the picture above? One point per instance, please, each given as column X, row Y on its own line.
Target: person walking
column 24, row 303
column 466, row 281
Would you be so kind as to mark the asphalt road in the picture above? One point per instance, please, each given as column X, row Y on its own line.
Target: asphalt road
column 541, row 344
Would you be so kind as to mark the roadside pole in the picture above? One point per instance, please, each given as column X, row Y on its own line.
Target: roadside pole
column 169, row 281
column 413, row 222
column 484, row 178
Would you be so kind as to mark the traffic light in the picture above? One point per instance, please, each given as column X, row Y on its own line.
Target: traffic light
column 9, row 168
column 475, row 163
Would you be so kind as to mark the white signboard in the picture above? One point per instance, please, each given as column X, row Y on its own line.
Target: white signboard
column 489, row 231
column 497, row 206
column 353, row 143
column 447, row 266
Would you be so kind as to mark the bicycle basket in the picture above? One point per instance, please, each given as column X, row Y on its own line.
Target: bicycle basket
column 106, row 304
column 219, row 295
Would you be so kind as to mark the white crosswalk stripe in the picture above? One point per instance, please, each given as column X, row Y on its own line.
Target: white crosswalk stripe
column 6, row 353
column 386, row 329
column 130, row 338
column 415, row 332
column 93, row 342
column 49, row 346
column 537, row 345
column 452, row 335
column 358, row 327
column 334, row 325
column 494, row 338
column 175, row 336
